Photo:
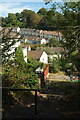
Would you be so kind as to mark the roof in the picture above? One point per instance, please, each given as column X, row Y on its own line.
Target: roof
column 53, row 49
column 24, row 45
column 29, row 29
column 1, row 28
column 57, row 49
column 33, row 38
column 7, row 31
column 39, row 39
column 57, row 33
column 39, row 70
column 35, row 54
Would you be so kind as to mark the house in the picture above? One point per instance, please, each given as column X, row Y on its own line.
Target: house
column 34, row 40
column 50, row 34
column 16, row 29
column 42, row 73
column 41, row 40
column 24, row 49
column 56, row 52
column 25, row 45
column 13, row 29
column 26, row 32
column 30, row 40
column 39, row 56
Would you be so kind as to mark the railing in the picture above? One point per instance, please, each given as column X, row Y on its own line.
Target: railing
column 17, row 89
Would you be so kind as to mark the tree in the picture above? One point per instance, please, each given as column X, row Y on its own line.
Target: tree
column 29, row 18
column 11, row 20
column 71, row 35
column 8, row 40
column 70, row 27
column 50, row 21
column 42, row 11
column 72, row 47
column 19, row 57
column 53, row 42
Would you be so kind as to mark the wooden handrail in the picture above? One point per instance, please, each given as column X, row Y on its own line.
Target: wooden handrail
column 19, row 89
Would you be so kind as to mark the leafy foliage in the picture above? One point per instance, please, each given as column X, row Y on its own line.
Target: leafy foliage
column 53, row 42
column 42, row 11
column 19, row 58
column 7, row 42
column 72, row 37
column 55, row 65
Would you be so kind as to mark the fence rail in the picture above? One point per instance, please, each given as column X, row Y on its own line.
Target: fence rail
column 18, row 89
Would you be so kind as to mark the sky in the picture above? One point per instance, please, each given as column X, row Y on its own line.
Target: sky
column 20, row 6
column 7, row 6
column 14, row 6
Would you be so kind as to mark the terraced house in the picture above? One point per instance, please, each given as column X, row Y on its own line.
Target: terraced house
column 25, row 32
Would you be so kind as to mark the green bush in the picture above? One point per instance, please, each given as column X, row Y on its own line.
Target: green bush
column 55, row 66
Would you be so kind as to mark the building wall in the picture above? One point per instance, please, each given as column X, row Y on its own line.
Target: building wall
column 25, row 54
column 16, row 45
column 43, row 41
column 54, row 56
column 36, row 33
column 44, row 58
column 46, row 71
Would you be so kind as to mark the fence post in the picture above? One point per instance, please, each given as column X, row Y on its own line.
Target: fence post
column 35, row 102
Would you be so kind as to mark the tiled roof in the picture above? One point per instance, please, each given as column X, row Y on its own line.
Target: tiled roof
column 8, row 33
column 35, row 54
column 39, row 39
column 32, row 38
column 42, row 31
column 54, row 49
column 29, row 29
column 24, row 45
column 52, row 32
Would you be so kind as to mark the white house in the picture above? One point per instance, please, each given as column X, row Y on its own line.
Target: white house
column 26, row 32
column 24, row 46
column 39, row 56
column 44, row 57
column 14, row 37
column 28, row 47
column 16, row 29
column 43, row 41
column 34, row 40
column 56, row 52
column 13, row 49
column 25, row 53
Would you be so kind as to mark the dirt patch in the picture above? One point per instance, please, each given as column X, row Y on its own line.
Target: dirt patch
column 60, row 76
